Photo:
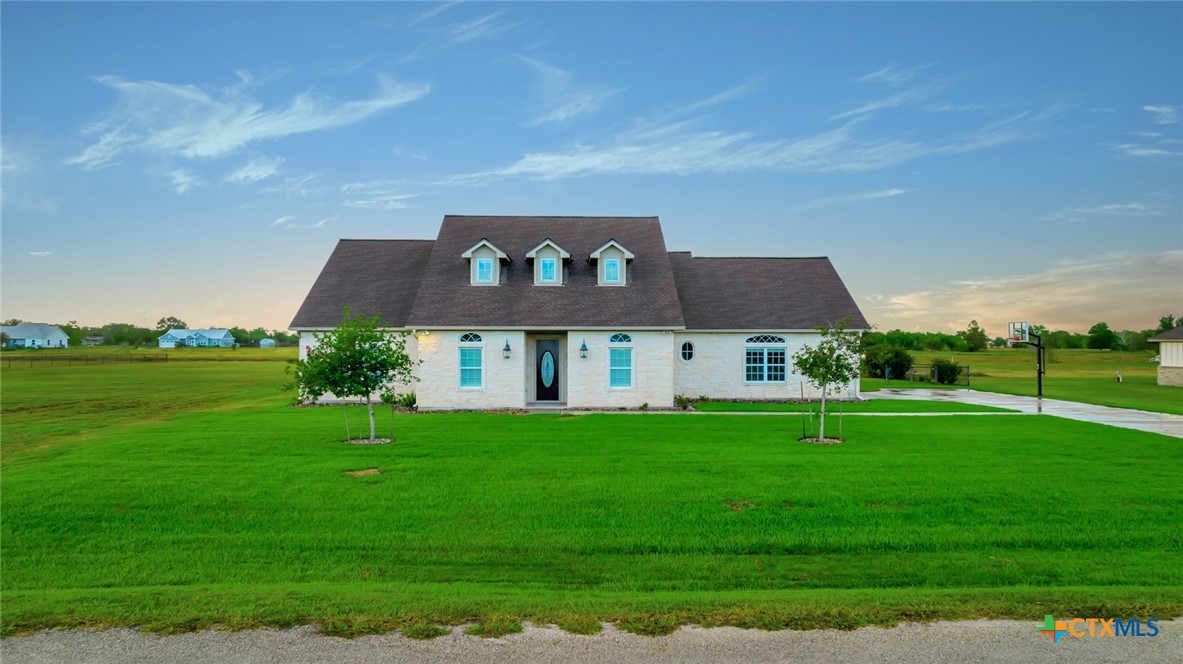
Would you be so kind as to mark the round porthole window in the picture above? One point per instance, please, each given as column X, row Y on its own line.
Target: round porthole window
column 687, row 351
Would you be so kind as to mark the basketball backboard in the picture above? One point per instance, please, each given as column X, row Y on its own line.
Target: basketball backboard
column 1019, row 332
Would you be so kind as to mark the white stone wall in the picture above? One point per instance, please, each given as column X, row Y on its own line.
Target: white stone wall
column 587, row 379
column 308, row 340
column 439, row 375
column 718, row 370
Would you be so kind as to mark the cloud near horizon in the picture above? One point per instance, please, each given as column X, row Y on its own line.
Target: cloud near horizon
column 1126, row 290
column 187, row 121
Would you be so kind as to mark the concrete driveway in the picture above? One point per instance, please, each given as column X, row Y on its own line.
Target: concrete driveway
column 1168, row 425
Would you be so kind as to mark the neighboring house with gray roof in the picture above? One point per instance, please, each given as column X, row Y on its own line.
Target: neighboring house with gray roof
column 175, row 338
column 34, row 335
column 1170, row 356
column 582, row 312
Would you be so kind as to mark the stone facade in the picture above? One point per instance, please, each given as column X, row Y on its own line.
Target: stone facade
column 503, row 380
column 718, row 368
column 1172, row 376
column 308, row 341
column 653, row 359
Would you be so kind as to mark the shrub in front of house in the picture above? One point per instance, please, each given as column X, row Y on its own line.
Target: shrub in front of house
column 945, row 371
column 884, row 357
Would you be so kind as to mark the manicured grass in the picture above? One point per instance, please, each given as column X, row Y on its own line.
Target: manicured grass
column 1088, row 376
column 237, row 510
column 873, row 406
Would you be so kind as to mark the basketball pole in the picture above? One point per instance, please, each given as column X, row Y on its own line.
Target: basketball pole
column 1038, row 363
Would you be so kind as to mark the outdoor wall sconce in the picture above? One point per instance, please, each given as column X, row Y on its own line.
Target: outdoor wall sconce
column 505, row 351
column 583, row 350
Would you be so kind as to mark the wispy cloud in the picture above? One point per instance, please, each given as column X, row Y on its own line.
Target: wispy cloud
column 9, row 159
column 850, row 198
column 681, row 148
column 1138, row 150
column 282, row 220
column 435, row 10
column 324, row 222
column 727, row 95
column 1134, row 209
column 482, row 27
column 1083, row 290
column 40, row 254
column 377, row 195
column 1163, row 114
column 187, row 121
column 557, row 96
column 183, row 180
column 893, row 75
column 957, row 108
column 300, row 185
column 258, row 168
column 894, row 101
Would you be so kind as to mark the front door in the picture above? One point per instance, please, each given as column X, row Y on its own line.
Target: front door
column 547, row 369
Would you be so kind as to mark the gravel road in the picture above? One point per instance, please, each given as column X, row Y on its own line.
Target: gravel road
column 966, row 641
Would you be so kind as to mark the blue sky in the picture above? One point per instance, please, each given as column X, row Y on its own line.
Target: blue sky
column 993, row 161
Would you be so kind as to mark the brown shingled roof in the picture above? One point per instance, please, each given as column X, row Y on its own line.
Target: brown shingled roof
column 371, row 277
column 1175, row 334
column 650, row 298
column 762, row 293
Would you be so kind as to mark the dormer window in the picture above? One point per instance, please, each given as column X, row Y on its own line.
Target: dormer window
column 548, row 258
column 611, row 263
column 485, row 261
column 612, row 270
column 484, row 270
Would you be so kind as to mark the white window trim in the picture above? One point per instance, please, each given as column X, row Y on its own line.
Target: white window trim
column 765, row 348
column 632, row 365
column 479, row 261
column 460, row 366
column 615, row 261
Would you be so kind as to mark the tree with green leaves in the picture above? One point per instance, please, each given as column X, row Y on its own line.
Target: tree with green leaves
column 975, row 337
column 832, row 362
column 170, row 322
column 357, row 358
column 1102, row 338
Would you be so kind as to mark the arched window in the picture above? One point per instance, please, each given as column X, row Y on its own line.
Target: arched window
column 765, row 359
column 472, row 361
column 687, row 351
column 470, row 338
column 766, row 339
column 620, row 362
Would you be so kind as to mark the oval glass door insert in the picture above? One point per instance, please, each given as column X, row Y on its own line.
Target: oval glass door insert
column 548, row 369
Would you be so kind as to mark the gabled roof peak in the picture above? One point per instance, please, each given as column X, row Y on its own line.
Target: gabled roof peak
column 611, row 243
column 563, row 253
column 485, row 243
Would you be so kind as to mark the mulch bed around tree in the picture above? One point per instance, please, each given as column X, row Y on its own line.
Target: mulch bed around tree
column 821, row 441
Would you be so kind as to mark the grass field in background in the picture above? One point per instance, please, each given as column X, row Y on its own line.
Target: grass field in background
column 182, row 495
column 174, row 354
column 1088, row 376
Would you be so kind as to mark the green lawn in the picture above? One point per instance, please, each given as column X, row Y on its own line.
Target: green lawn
column 14, row 356
column 874, row 406
column 209, row 501
column 1088, row 376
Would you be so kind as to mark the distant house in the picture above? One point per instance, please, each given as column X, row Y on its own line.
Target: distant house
column 34, row 335
column 93, row 341
column 176, row 338
column 267, row 343
column 1170, row 353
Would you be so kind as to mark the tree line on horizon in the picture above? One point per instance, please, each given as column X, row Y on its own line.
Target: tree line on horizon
column 119, row 334
column 1100, row 336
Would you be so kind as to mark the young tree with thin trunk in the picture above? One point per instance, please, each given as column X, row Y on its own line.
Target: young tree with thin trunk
column 355, row 359
column 833, row 362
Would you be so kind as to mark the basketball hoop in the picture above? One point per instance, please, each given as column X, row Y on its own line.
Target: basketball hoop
column 1019, row 332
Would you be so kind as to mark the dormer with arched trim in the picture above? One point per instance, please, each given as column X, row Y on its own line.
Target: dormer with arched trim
column 611, row 263
column 484, row 261
column 548, row 259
